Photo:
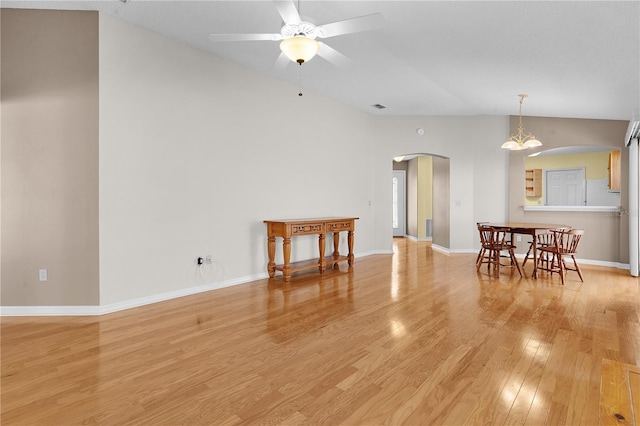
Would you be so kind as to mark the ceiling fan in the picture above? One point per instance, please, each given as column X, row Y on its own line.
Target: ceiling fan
column 298, row 38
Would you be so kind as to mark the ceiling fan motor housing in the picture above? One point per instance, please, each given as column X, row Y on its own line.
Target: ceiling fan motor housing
column 306, row 29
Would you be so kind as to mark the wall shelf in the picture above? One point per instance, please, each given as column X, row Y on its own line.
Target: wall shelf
column 533, row 182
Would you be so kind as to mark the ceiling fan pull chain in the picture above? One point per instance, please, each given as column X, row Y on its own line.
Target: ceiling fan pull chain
column 300, row 78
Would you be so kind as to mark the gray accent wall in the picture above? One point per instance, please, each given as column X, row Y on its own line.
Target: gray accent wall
column 441, row 202
column 49, row 80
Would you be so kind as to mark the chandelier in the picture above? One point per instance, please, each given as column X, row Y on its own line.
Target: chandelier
column 521, row 140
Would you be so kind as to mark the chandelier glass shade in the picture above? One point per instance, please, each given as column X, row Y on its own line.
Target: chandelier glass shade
column 299, row 48
column 521, row 140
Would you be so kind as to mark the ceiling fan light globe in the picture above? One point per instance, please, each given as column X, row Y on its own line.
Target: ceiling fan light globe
column 299, row 48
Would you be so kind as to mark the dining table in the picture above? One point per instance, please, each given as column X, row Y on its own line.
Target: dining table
column 526, row 228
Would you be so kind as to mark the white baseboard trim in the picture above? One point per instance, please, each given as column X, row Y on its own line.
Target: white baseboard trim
column 147, row 300
column 463, row 251
column 38, row 311
column 603, row 263
column 372, row 252
column 617, row 265
column 412, row 238
column 608, row 264
column 440, row 249
column 49, row 311
column 78, row 310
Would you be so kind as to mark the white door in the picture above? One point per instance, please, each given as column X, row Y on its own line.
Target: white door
column 398, row 203
column 565, row 187
column 634, row 204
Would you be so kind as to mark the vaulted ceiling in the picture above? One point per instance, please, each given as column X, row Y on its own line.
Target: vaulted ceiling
column 573, row 59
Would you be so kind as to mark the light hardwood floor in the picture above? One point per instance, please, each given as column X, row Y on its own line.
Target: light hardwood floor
column 416, row 338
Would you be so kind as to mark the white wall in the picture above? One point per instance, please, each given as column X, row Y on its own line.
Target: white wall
column 195, row 152
column 478, row 169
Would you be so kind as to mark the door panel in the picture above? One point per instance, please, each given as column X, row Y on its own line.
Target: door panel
column 565, row 187
column 399, row 203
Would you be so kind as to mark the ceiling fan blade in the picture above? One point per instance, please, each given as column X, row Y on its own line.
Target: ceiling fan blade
column 287, row 9
column 281, row 63
column 244, row 37
column 353, row 25
column 332, row 55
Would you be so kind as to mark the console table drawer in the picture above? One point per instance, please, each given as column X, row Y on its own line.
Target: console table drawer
column 307, row 228
column 340, row 226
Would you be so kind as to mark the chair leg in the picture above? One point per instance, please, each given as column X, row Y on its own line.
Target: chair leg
column 486, row 256
column 577, row 267
column 524, row 262
column 480, row 257
column 543, row 262
column 561, row 266
column 514, row 261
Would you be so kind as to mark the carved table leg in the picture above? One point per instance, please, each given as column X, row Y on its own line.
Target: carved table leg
column 286, row 251
column 350, row 241
column 271, row 248
column 321, row 263
column 336, row 247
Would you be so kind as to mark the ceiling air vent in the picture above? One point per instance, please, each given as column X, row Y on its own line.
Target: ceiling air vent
column 379, row 106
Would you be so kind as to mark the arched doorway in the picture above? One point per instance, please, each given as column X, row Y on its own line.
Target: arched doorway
column 426, row 203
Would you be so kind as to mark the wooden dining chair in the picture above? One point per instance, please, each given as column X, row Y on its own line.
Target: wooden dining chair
column 565, row 244
column 485, row 253
column 502, row 243
column 544, row 239
column 496, row 241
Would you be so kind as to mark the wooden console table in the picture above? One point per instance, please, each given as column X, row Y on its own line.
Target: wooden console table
column 321, row 226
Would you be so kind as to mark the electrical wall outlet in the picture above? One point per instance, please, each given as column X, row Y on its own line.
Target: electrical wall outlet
column 42, row 274
column 518, row 238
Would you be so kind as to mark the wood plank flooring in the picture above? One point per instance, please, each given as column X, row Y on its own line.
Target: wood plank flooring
column 417, row 338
